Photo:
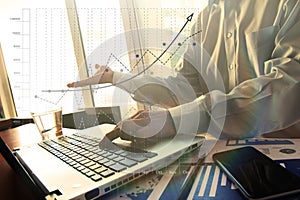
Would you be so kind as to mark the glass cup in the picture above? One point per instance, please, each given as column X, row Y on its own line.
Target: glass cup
column 49, row 123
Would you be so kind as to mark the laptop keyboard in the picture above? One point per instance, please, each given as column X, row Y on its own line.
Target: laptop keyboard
column 86, row 155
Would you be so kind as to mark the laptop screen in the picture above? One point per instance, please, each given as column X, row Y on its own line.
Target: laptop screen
column 20, row 170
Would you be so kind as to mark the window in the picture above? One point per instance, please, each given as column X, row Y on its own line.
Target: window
column 40, row 54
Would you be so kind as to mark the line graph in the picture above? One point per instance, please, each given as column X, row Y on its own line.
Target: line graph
column 188, row 19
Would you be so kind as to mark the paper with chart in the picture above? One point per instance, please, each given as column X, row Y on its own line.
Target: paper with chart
column 211, row 183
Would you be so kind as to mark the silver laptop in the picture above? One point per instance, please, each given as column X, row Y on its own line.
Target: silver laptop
column 82, row 165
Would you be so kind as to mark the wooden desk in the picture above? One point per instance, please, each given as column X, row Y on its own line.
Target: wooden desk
column 11, row 186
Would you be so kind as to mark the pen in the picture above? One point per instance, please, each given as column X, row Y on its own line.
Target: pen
column 179, row 186
column 190, row 178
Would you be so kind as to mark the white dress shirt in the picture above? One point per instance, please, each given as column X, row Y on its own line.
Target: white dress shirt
column 254, row 50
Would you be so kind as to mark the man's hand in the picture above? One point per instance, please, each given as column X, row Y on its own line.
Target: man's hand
column 145, row 126
column 103, row 75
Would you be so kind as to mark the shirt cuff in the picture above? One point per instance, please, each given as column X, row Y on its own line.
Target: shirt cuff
column 124, row 81
column 119, row 76
column 190, row 118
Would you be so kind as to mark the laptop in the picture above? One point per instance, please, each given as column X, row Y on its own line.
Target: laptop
column 84, row 165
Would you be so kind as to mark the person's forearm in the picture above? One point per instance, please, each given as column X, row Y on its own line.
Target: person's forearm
column 166, row 92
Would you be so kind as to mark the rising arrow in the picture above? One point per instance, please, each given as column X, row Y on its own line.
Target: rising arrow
column 188, row 19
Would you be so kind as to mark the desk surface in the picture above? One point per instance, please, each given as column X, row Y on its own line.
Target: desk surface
column 12, row 186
